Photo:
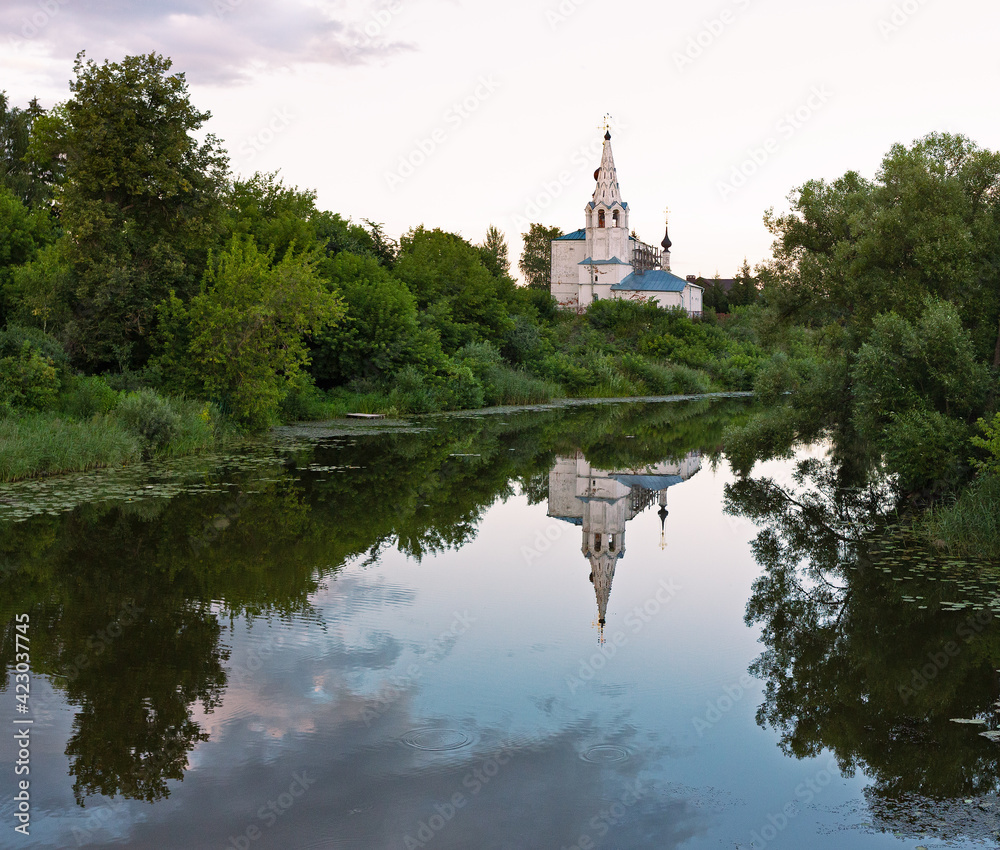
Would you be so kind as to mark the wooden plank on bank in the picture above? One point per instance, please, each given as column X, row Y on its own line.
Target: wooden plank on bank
column 365, row 415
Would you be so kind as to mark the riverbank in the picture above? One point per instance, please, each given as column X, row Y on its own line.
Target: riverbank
column 146, row 426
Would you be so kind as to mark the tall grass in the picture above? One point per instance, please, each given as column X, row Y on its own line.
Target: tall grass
column 971, row 525
column 36, row 444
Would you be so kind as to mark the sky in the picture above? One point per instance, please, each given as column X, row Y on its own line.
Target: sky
column 458, row 114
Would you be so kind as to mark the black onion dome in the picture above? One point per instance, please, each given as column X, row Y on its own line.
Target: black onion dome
column 607, row 135
column 666, row 243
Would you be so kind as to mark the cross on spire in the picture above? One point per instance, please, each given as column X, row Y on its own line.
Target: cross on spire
column 606, row 126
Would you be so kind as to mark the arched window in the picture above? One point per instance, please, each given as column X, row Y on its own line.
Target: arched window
column 600, row 218
column 597, row 542
column 614, row 218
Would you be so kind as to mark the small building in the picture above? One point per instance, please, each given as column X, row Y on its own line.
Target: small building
column 605, row 260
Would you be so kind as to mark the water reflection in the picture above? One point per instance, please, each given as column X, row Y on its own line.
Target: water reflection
column 601, row 501
column 863, row 658
column 131, row 599
column 258, row 623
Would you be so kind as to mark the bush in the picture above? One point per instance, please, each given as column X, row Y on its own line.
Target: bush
column 85, row 396
column 150, row 417
column 524, row 343
column 989, row 443
column 926, row 449
column 411, row 393
column 459, row 389
column 28, row 380
column 14, row 338
column 690, row 381
column 560, row 367
column 775, row 378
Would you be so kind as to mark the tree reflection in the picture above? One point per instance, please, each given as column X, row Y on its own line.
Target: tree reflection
column 129, row 602
column 851, row 665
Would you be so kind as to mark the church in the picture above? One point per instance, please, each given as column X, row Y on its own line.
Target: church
column 605, row 260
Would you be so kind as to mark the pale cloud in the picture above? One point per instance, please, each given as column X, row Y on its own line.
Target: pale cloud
column 212, row 41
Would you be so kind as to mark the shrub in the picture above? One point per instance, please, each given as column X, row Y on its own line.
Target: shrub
column 28, row 380
column 690, row 381
column 774, row 379
column 989, row 443
column 458, row 389
column 150, row 417
column 411, row 393
column 923, row 447
column 14, row 338
column 84, row 396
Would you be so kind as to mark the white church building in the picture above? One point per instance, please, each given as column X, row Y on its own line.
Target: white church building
column 604, row 259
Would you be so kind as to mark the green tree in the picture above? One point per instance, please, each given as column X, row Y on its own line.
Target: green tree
column 536, row 258
column 494, row 252
column 22, row 233
column 278, row 217
column 380, row 333
column 40, row 293
column 455, row 292
column 337, row 234
column 744, row 290
column 240, row 341
column 140, row 199
column 18, row 173
column 927, row 225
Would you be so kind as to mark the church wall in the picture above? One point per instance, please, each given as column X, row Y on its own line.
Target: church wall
column 566, row 258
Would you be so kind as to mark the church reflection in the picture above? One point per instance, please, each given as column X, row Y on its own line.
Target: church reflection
column 602, row 501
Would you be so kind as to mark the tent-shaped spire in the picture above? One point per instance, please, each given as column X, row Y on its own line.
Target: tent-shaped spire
column 602, row 573
column 607, row 191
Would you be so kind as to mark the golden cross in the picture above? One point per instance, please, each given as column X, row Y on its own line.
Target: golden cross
column 607, row 123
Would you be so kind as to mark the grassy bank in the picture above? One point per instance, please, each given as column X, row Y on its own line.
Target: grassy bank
column 128, row 426
column 970, row 526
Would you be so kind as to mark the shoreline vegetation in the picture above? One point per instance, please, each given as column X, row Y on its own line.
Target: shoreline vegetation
column 154, row 304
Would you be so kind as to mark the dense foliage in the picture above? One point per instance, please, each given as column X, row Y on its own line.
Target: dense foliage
column 134, row 264
column 882, row 316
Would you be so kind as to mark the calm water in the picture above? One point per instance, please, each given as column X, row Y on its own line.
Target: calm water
column 553, row 629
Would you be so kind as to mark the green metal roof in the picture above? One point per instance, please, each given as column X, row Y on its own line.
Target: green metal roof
column 654, row 280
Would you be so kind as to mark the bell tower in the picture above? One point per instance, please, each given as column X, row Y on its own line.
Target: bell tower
column 608, row 248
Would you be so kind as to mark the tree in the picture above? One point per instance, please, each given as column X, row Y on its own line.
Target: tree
column 338, row 234
column 536, row 258
column 276, row 216
column 744, row 289
column 240, row 341
column 140, row 199
column 381, row 332
column 927, row 225
column 901, row 274
column 494, row 254
column 23, row 232
column 17, row 172
column 455, row 292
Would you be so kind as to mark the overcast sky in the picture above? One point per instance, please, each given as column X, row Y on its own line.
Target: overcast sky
column 458, row 114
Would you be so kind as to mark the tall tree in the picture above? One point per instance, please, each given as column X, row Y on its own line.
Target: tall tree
column 494, row 252
column 140, row 199
column 536, row 258
column 17, row 173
